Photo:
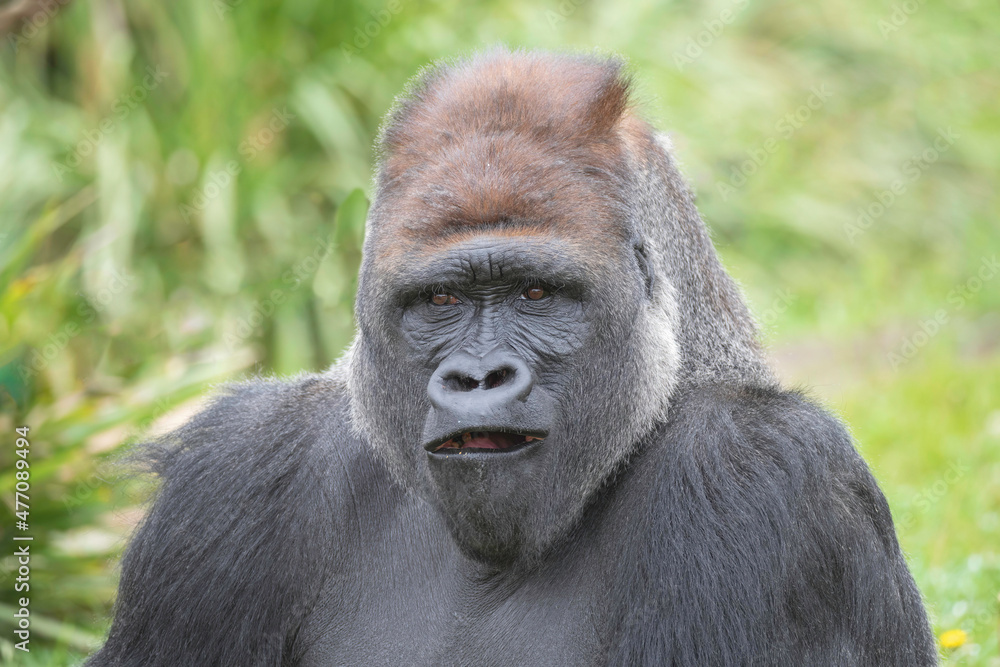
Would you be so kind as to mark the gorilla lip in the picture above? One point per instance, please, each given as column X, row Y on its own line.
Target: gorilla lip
column 483, row 441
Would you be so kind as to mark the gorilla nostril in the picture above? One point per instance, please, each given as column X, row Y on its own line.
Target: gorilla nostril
column 463, row 382
column 497, row 378
column 458, row 382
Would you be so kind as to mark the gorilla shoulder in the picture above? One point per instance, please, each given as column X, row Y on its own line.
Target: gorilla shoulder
column 770, row 442
column 256, row 439
column 245, row 506
column 765, row 491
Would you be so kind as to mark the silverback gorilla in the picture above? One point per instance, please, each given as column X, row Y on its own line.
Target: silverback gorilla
column 554, row 440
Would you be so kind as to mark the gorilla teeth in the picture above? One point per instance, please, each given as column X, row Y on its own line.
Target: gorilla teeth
column 504, row 441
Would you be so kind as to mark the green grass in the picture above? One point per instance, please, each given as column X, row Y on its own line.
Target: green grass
column 126, row 292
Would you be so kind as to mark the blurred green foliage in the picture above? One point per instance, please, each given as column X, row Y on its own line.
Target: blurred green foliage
column 182, row 197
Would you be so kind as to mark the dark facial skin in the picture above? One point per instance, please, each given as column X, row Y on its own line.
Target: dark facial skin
column 496, row 333
column 490, row 361
column 496, row 326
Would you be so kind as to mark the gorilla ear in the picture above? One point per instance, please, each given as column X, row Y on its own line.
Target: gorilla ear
column 647, row 269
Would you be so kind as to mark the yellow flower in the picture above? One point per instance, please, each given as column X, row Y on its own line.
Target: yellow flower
column 953, row 638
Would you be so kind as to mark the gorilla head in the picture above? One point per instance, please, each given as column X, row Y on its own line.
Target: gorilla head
column 536, row 285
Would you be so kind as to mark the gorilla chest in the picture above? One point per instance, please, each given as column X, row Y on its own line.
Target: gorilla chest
column 403, row 609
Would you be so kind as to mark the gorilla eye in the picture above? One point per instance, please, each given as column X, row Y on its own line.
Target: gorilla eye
column 443, row 299
column 535, row 293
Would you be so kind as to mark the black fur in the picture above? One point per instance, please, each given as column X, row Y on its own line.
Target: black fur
column 769, row 543
column 746, row 532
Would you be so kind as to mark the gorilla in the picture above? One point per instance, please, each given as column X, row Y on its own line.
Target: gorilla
column 554, row 440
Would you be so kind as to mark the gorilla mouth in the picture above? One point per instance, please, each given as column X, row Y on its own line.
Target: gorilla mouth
column 483, row 441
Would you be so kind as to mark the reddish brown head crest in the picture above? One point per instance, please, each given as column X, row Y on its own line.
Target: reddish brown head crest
column 512, row 142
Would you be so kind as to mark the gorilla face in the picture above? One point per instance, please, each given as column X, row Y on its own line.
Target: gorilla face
column 517, row 360
column 498, row 329
column 516, row 318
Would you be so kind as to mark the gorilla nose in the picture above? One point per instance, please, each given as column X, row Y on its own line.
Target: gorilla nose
column 479, row 385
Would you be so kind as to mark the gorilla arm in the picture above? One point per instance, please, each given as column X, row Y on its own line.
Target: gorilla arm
column 224, row 568
column 768, row 538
